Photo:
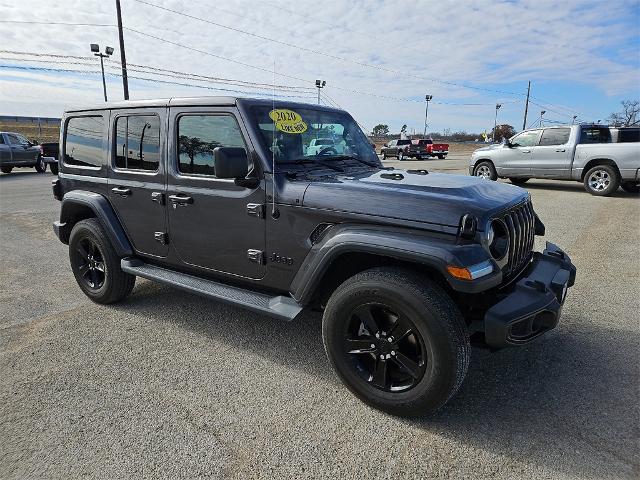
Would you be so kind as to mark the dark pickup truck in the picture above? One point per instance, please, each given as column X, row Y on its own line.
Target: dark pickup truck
column 17, row 151
column 219, row 196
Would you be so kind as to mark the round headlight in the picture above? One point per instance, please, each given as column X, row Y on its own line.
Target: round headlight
column 498, row 239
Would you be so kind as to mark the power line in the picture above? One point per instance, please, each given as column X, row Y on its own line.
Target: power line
column 318, row 52
column 68, row 24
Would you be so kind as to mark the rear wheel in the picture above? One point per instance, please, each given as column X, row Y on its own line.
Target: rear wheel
column 401, row 155
column 384, row 155
column 54, row 168
column 96, row 265
column 441, row 157
column 631, row 187
column 6, row 169
column 601, row 180
column 485, row 170
column 518, row 180
column 396, row 340
column 41, row 167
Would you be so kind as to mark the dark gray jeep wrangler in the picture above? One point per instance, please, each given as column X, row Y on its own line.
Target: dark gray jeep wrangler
column 233, row 199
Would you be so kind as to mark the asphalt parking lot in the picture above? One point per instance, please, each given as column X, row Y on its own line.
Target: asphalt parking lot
column 170, row 385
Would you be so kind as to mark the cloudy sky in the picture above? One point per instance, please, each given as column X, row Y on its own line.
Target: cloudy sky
column 379, row 58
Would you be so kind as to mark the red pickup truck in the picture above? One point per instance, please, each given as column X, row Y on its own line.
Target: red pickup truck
column 426, row 148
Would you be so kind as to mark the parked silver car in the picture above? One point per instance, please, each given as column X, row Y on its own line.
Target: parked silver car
column 583, row 153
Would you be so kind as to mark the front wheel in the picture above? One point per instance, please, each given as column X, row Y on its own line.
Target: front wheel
column 485, row 170
column 601, row 180
column 441, row 157
column 518, row 180
column 631, row 187
column 384, row 156
column 6, row 169
column 41, row 166
column 396, row 340
column 96, row 265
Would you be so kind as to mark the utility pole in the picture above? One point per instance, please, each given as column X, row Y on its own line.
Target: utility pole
column 320, row 84
column 495, row 122
column 123, row 58
column 426, row 113
column 526, row 107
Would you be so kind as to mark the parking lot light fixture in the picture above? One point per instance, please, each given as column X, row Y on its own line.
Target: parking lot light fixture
column 495, row 122
column 428, row 98
column 95, row 49
column 320, row 84
column 542, row 112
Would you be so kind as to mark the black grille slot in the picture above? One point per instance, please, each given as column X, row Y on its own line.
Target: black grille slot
column 520, row 225
column 318, row 232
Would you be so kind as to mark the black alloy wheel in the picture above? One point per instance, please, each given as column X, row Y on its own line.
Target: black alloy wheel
column 90, row 261
column 384, row 348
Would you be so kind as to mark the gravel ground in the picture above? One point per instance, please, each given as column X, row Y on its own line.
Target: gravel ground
column 170, row 385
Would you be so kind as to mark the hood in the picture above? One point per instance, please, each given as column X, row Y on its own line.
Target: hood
column 436, row 198
column 493, row 146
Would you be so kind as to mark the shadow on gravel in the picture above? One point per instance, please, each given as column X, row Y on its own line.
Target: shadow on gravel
column 567, row 187
column 553, row 403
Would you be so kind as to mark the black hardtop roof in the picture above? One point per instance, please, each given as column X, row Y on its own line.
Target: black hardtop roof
column 209, row 101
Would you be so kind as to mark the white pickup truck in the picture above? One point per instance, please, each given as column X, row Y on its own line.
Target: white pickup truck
column 584, row 153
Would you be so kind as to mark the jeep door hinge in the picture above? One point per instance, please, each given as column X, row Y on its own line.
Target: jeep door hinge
column 161, row 237
column 255, row 210
column 255, row 256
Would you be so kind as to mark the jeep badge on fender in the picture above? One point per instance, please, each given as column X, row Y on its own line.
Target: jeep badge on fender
column 405, row 265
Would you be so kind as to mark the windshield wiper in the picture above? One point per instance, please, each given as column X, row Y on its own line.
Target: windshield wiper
column 317, row 161
column 352, row 157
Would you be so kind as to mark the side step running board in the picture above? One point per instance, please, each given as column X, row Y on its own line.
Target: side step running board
column 285, row 308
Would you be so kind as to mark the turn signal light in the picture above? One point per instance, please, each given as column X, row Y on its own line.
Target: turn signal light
column 458, row 272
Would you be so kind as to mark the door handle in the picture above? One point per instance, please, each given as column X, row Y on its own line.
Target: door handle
column 123, row 192
column 561, row 150
column 180, row 200
column 525, row 151
column 157, row 197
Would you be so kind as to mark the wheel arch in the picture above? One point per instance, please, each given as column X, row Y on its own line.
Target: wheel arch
column 475, row 164
column 79, row 205
column 599, row 161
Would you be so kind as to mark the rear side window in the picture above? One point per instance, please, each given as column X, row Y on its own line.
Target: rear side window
column 198, row 135
column 138, row 142
column 629, row 135
column 83, row 141
column 1, row 139
column 555, row 136
column 595, row 135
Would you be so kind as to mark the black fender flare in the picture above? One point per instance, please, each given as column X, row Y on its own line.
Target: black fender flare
column 74, row 206
column 434, row 250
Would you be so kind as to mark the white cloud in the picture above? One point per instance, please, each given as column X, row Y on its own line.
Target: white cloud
column 482, row 43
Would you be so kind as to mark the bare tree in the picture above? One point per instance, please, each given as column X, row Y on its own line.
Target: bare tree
column 630, row 114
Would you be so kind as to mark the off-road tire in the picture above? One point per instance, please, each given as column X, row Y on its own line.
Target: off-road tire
column 54, row 168
column 492, row 175
column 631, row 187
column 117, row 284
column 606, row 172
column 6, row 169
column 41, row 167
column 434, row 315
column 519, row 180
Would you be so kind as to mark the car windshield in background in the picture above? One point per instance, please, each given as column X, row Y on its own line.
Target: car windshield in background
column 296, row 134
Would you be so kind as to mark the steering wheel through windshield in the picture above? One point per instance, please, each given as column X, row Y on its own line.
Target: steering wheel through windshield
column 328, row 151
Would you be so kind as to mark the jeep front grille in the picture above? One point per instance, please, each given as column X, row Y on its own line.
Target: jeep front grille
column 520, row 222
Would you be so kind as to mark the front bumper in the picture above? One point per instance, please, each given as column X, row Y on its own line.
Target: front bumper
column 533, row 305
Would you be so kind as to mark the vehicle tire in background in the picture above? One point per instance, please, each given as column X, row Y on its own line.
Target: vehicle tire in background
column 96, row 265
column 384, row 155
column 6, row 169
column 601, row 180
column 396, row 340
column 519, row 180
column 41, row 167
column 631, row 187
column 485, row 170
column 54, row 168
column 441, row 157
column 401, row 155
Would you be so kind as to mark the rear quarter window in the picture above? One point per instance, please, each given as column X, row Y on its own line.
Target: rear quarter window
column 629, row 135
column 595, row 135
column 83, row 141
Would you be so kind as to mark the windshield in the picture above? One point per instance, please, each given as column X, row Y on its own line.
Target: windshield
column 307, row 133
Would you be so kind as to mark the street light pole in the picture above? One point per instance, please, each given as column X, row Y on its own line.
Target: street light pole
column 495, row 122
column 574, row 119
column 426, row 113
column 95, row 48
column 320, row 84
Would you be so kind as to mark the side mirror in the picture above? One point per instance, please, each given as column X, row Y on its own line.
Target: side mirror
column 230, row 162
column 507, row 143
